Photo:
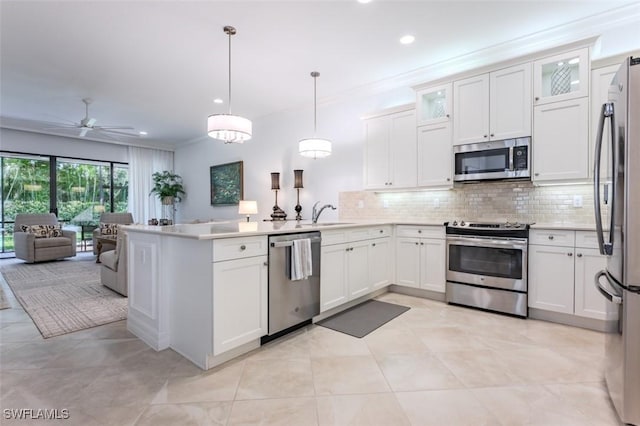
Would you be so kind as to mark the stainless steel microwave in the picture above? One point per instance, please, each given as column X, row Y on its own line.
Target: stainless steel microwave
column 505, row 159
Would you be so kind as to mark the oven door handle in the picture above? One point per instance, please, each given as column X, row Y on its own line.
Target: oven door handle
column 515, row 243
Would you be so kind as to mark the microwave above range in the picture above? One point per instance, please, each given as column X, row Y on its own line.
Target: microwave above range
column 505, row 159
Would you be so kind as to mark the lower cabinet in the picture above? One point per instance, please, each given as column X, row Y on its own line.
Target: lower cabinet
column 354, row 268
column 240, row 302
column 421, row 261
column 562, row 271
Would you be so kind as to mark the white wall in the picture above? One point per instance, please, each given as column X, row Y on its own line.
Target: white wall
column 37, row 143
column 274, row 148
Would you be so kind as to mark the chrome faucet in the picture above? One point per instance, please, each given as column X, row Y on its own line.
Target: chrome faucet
column 315, row 213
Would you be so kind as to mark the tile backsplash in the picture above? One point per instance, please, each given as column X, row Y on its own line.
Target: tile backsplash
column 492, row 201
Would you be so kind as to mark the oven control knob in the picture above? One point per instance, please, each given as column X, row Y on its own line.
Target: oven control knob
column 507, row 225
column 462, row 223
column 517, row 225
column 455, row 223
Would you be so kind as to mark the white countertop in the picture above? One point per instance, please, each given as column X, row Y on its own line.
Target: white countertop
column 565, row 226
column 213, row 230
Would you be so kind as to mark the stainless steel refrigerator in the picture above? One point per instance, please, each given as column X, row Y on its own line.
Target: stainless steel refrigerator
column 617, row 209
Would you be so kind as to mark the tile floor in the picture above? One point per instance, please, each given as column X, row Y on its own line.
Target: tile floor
column 434, row 365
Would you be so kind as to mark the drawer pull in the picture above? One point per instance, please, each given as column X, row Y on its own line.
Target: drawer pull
column 373, row 244
column 551, row 237
column 243, row 247
column 381, row 231
column 417, row 243
column 419, row 231
column 266, row 263
column 569, row 254
column 579, row 254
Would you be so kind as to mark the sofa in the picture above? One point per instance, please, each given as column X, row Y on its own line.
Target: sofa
column 113, row 270
column 110, row 218
column 39, row 236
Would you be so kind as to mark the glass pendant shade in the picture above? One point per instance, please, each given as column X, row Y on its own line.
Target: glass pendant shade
column 229, row 128
column 314, row 148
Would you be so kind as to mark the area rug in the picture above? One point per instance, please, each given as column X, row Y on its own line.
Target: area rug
column 64, row 296
column 364, row 318
column 4, row 303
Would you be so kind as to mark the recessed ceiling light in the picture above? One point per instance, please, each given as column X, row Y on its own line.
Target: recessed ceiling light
column 217, row 101
column 364, row 1
column 143, row 133
column 407, row 39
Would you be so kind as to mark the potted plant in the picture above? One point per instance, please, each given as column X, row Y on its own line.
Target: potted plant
column 168, row 187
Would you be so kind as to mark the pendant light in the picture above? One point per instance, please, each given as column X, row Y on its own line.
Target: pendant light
column 314, row 147
column 228, row 127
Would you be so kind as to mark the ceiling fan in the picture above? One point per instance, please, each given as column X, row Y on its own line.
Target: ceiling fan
column 88, row 124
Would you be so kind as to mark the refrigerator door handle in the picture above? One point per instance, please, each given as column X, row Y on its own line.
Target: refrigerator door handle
column 606, row 112
column 614, row 298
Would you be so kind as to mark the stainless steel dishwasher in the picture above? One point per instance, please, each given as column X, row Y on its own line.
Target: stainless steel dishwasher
column 291, row 302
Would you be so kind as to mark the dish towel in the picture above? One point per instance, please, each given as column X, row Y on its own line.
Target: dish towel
column 301, row 264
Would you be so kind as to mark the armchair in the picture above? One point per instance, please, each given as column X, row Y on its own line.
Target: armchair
column 113, row 270
column 119, row 218
column 32, row 249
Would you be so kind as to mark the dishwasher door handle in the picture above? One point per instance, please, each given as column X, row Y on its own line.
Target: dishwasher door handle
column 290, row 243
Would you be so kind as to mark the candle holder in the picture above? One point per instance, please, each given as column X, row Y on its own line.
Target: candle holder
column 297, row 184
column 278, row 213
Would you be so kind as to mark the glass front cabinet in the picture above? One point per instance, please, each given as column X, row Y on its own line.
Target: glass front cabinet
column 561, row 77
column 434, row 104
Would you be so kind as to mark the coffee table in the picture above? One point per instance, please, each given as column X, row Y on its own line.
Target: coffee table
column 104, row 239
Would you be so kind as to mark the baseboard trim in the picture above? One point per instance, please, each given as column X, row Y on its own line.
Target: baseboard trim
column 609, row 326
column 417, row 292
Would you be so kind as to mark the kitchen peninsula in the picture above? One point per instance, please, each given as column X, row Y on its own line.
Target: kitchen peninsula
column 201, row 289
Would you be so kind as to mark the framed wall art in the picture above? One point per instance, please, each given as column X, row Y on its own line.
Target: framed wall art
column 226, row 184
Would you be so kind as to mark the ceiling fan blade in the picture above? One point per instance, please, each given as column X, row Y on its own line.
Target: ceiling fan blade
column 90, row 122
column 113, row 127
column 62, row 127
column 84, row 131
column 115, row 132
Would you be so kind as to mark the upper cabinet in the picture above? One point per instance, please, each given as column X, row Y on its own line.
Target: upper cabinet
column 434, row 105
column 390, row 151
column 561, row 77
column 561, row 118
column 493, row 106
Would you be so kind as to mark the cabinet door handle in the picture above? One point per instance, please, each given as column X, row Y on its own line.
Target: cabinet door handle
column 266, row 263
column 373, row 244
column 551, row 237
column 448, row 179
column 492, row 135
column 243, row 247
column 381, row 231
column 486, row 136
column 447, row 115
column 421, row 244
column 579, row 254
column 537, row 98
column 569, row 254
column 419, row 231
column 417, row 243
column 536, row 174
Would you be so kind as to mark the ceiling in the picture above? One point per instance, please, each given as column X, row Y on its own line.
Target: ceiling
column 158, row 65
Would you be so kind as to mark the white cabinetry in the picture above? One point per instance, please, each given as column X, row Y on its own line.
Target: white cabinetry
column 390, row 151
column 560, row 147
column 433, row 104
column 493, row 106
column 562, row 267
column 355, row 262
column 240, row 292
column 421, row 257
column 561, row 117
column 561, row 77
column 435, row 157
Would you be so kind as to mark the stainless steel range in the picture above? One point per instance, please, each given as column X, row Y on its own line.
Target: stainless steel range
column 487, row 266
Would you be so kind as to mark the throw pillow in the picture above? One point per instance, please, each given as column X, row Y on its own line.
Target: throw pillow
column 54, row 230
column 43, row 231
column 108, row 228
column 40, row 231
